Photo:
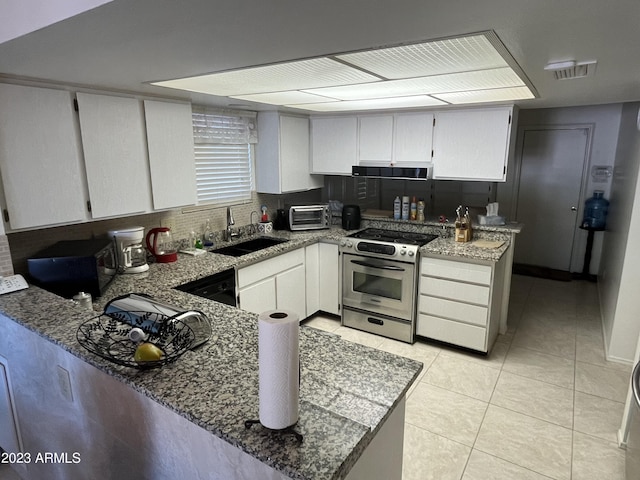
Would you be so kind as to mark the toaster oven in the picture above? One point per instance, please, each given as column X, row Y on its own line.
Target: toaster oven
column 309, row 217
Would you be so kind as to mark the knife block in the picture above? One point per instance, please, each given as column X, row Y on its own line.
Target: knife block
column 463, row 234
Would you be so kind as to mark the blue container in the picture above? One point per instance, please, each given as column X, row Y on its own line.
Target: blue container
column 595, row 211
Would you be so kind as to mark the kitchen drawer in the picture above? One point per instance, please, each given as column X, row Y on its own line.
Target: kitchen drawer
column 466, row 272
column 463, row 292
column 270, row 267
column 464, row 312
column 449, row 331
column 378, row 324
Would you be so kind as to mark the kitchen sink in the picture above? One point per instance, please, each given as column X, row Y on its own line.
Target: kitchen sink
column 249, row 246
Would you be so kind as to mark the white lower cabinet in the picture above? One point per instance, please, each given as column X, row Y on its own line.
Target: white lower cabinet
column 323, row 278
column 459, row 302
column 275, row 283
column 329, row 276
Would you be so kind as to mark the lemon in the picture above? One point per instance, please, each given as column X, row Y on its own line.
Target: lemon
column 147, row 352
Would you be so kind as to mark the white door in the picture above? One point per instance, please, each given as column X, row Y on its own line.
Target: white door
column 549, row 193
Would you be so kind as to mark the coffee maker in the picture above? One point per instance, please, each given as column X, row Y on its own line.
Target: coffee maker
column 130, row 255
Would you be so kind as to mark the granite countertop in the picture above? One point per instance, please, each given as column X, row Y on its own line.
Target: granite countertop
column 345, row 396
column 344, row 399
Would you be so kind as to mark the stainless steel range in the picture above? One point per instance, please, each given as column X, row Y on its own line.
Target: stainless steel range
column 379, row 281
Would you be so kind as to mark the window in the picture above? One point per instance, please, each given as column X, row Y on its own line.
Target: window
column 223, row 149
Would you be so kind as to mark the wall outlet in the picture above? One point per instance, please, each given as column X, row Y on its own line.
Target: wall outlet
column 64, row 381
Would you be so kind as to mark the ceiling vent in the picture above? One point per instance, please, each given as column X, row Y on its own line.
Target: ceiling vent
column 571, row 69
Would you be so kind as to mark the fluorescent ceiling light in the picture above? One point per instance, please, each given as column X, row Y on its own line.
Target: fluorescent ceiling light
column 466, row 69
column 313, row 73
column 372, row 104
column 283, row 98
column 432, row 58
column 486, row 96
column 483, row 79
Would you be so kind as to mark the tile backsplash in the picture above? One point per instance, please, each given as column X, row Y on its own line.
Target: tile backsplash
column 6, row 267
column 23, row 245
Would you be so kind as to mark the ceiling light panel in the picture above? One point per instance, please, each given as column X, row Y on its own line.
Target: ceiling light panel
column 461, row 54
column 487, row 96
column 303, row 74
column 480, row 80
column 373, row 104
column 283, row 98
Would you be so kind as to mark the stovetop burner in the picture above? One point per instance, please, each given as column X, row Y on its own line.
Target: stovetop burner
column 394, row 236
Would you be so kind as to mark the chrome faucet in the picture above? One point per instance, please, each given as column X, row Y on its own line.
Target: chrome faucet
column 230, row 234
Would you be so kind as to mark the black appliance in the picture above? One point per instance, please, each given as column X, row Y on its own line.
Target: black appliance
column 281, row 222
column 405, row 173
column 351, row 217
column 71, row 266
column 220, row 287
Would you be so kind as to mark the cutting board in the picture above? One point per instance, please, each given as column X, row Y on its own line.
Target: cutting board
column 488, row 243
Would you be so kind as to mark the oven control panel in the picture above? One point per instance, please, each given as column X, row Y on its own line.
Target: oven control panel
column 407, row 253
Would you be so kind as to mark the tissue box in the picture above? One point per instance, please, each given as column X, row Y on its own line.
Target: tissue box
column 491, row 220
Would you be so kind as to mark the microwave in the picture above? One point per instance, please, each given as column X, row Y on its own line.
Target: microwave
column 71, row 266
column 309, row 217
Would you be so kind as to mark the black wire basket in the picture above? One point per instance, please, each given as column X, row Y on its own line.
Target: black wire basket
column 108, row 336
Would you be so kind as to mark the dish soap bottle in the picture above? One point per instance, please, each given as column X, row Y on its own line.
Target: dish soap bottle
column 208, row 235
column 397, row 206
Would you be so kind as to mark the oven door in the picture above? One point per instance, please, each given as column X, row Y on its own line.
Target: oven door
column 378, row 285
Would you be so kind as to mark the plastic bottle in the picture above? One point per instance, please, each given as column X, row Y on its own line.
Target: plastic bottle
column 420, row 210
column 595, row 211
column 405, row 208
column 208, row 235
column 413, row 211
column 397, row 207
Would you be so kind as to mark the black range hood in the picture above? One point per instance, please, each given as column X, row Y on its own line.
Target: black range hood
column 405, row 173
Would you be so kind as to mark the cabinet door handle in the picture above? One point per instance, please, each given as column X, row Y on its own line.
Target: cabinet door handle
column 373, row 265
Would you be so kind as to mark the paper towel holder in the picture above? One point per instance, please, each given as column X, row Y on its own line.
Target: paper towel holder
column 289, row 430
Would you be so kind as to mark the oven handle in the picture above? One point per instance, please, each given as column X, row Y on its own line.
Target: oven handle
column 373, row 265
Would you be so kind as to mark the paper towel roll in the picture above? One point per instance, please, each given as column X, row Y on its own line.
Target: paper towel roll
column 278, row 368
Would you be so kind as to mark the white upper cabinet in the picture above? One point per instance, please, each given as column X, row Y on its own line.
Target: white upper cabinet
column 334, row 144
column 472, row 144
column 40, row 157
column 412, row 139
column 115, row 153
column 375, row 139
column 402, row 139
column 282, row 154
column 171, row 154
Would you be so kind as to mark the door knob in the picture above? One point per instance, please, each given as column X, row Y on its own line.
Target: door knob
column 574, row 209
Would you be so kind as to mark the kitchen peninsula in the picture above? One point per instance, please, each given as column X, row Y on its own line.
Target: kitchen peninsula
column 187, row 418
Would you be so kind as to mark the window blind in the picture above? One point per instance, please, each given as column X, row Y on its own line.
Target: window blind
column 222, row 146
column 223, row 172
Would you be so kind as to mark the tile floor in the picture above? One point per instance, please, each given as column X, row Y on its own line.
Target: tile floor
column 544, row 404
